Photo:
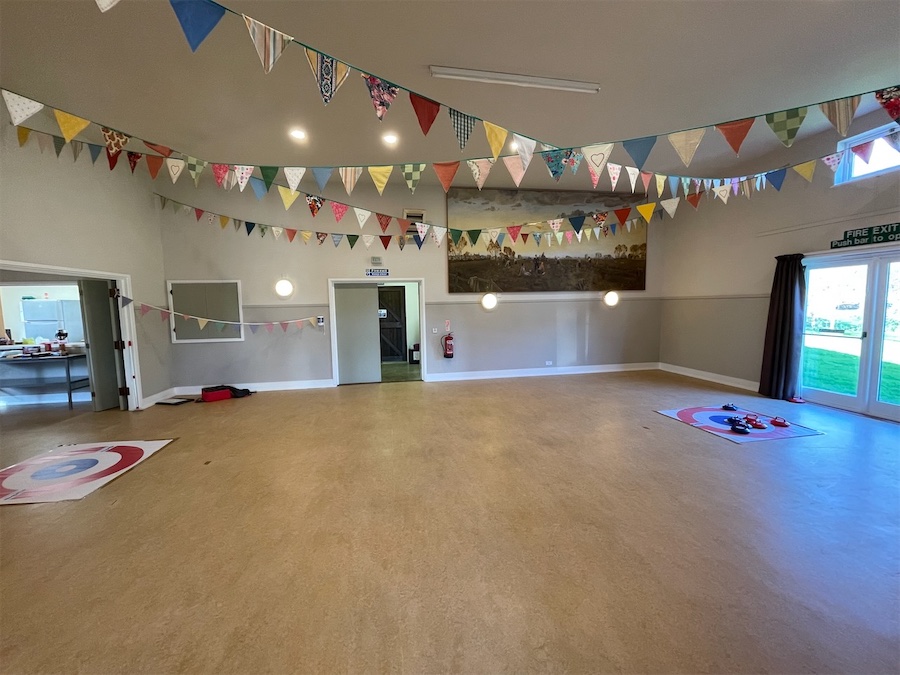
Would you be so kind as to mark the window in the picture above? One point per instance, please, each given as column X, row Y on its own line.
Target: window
column 884, row 159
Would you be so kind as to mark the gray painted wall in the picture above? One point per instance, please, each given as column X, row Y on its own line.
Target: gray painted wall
column 716, row 335
column 525, row 335
column 295, row 355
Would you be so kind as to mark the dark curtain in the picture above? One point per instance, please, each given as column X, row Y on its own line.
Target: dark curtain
column 780, row 376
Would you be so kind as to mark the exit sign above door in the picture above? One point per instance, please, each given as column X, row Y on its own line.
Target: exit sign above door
column 378, row 272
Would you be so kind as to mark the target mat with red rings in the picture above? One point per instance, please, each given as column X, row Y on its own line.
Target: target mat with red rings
column 72, row 471
column 715, row 421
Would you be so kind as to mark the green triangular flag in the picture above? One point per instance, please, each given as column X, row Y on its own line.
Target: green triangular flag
column 455, row 236
column 352, row 238
column 473, row 236
column 268, row 175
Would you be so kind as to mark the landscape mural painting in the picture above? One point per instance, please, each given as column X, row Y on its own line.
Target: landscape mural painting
column 593, row 255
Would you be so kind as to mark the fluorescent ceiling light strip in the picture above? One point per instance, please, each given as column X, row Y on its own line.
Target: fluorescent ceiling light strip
column 513, row 79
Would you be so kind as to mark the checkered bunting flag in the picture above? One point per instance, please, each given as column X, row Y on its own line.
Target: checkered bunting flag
column 786, row 124
column 462, row 125
column 413, row 174
column 195, row 168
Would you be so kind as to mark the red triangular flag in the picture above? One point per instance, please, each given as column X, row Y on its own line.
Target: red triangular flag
column 290, row 233
column 161, row 149
column 199, row 213
column 622, row 214
column 113, row 159
column 404, row 225
column 694, row 199
column 384, row 221
column 524, row 237
column 514, row 231
column 154, row 162
column 445, row 172
column 426, row 111
column 385, row 241
column 864, row 151
column 133, row 159
column 735, row 132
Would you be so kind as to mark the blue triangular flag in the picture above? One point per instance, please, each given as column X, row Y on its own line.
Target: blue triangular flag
column 249, row 227
column 577, row 222
column 259, row 187
column 639, row 149
column 197, row 19
column 419, row 240
column 322, row 174
column 95, row 151
column 555, row 163
column 336, row 238
column 500, row 238
column 254, row 327
column 612, row 228
column 776, row 178
column 126, row 301
column 537, row 238
column 673, row 185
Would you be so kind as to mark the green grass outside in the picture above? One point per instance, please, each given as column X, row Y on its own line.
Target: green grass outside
column 834, row 371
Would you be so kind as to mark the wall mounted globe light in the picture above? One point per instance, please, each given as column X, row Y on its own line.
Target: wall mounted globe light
column 611, row 298
column 284, row 288
column 489, row 301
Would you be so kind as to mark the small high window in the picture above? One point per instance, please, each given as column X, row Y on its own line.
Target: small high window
column 884, row 159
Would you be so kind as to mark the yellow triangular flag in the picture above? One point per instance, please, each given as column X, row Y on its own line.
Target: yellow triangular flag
column 312, row 322
column 223, row 221
column 660, row 184
column 23, row 135
column 646, row 210
column 288, row 196
column 496, row 137
column 69, row 125
column 807, row 169
column 202, row 323
column 380, row 175
column 307, row 235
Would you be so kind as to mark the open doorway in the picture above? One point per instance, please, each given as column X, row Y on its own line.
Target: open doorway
column 67, row 344
column 376, row 330
column 400, row 332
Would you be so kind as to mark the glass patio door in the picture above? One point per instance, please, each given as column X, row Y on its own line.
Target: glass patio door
column 851, row 337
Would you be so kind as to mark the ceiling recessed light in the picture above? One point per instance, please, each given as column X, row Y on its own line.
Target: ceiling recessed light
column 299, row 134
column 390, row 139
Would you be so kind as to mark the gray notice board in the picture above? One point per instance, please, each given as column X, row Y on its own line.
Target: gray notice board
column 213, row 310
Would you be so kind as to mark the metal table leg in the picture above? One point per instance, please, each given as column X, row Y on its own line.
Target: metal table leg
column 69, row 381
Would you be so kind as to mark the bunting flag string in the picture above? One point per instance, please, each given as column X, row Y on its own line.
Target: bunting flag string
column 785, row 124
column 144, row 308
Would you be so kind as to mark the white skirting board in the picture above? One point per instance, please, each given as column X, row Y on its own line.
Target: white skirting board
column 295, row 385
column 710, row 377
column 538, row 372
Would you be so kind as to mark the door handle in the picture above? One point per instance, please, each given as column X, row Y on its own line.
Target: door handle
column 865, row 334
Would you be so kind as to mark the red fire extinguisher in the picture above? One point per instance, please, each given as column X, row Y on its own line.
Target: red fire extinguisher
column 447, row 344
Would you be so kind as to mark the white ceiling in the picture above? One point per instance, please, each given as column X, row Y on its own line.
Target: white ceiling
column 663, row 65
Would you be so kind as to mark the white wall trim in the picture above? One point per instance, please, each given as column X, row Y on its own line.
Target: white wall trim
column 286, row 385
column 156, row 398
column 537, row 372
column 710, row 377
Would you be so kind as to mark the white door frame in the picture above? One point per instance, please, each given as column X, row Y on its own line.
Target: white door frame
column 126, row 318
column 878, row 260
column 374, row 282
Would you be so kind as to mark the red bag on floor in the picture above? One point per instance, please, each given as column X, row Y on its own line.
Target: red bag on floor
column 214, row 395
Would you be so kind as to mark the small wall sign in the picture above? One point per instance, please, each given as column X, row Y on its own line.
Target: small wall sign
column 877, row 234
column 377, row 272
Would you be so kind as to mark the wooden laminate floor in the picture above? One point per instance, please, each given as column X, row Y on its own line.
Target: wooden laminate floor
column 552, row 524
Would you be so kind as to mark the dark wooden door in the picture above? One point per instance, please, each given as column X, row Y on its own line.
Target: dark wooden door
column 392, row 310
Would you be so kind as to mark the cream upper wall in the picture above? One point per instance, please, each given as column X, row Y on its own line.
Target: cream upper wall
column 61, row 213
column 203, row 250
column 729, row 249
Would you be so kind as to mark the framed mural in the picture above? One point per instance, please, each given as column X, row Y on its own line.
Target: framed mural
column 515, row 241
